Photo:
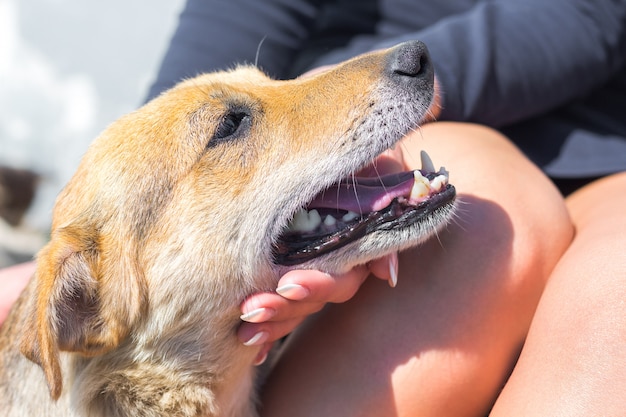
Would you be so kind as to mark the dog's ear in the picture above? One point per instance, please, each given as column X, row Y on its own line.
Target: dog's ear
column 75, row 306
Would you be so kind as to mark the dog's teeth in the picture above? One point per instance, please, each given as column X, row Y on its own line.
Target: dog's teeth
column 299, row 219
column 427, row 163
column 305, row 221
column 421, row 186
column 439, row 182
column 418, row 191
column 315, row 217
column 330, row 220
column 349, row 216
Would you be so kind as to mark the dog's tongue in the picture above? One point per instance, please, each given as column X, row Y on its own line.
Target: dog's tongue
column 365, row 195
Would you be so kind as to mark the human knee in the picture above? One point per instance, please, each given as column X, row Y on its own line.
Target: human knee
column 599, row 206
column 485, row 166
column 510, row 217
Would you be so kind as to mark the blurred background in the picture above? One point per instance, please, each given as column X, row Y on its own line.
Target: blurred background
column 68, row 68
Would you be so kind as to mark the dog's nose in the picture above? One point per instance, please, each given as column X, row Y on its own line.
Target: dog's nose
column 409, row 63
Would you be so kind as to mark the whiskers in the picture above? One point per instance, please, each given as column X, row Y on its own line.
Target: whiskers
column 429, row 114
column 378, row 175
column 407, row 150
column 356, row 194
column 374, row 166
column 258, row 52
column 456, row 220
column 458, row 213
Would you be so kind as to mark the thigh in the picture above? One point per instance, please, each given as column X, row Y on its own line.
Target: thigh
column 442, row 342
column 574, row 361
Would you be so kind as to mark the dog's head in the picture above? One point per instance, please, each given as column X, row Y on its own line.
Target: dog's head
column 208, row 192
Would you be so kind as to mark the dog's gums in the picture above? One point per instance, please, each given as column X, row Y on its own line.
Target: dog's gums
column 358, row 206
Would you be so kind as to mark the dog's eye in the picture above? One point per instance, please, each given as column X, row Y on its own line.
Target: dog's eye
column 229, row 126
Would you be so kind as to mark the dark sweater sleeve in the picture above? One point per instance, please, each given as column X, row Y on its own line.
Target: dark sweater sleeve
column 504, row 61
column 217, row 34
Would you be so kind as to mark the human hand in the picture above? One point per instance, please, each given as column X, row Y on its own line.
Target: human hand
column 12, row 281
column 268, row 317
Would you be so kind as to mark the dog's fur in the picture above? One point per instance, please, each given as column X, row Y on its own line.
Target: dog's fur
column 169, row 223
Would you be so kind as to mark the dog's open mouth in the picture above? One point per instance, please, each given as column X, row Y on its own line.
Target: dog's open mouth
column 358, row 206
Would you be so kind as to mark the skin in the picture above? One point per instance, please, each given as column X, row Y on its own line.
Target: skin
column 443, row 342
column 574, row 362
column 571, row 364
column 465, row 301
column 12, row 281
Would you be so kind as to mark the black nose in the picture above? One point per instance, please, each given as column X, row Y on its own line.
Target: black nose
column 409, row 63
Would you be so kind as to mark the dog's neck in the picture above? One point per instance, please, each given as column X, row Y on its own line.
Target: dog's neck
column 131, row 380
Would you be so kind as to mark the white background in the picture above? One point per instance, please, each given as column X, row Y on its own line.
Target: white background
column 68, row 68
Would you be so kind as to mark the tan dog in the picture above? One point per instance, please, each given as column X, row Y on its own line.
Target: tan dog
column 202, row 197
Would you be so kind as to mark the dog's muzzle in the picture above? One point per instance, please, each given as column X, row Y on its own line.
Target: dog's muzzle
column 356, row 207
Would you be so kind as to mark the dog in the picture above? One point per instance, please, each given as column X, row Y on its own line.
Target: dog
column 203, row 196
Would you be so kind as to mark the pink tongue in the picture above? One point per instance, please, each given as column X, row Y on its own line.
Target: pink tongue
column 365, row 195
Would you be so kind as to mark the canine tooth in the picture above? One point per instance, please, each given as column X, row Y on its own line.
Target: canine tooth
column 417, row 175
column 330, row 220
column 427, row 163
column 305, row 221
column 349, row 216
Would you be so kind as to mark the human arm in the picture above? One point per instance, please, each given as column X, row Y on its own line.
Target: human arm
column 216, row 34
column 504, row 61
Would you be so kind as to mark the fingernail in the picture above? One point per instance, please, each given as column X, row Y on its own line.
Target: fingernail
column 293, row 292
column 393, row 270
column 260, row 359
column 258, row 339
column 258, row 315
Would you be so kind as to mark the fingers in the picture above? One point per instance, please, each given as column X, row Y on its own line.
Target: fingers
column 268, row 317
column 316, row 286
column 260, row 334
column 385, row 268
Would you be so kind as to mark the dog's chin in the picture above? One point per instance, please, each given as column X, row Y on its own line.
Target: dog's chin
column 364, row 218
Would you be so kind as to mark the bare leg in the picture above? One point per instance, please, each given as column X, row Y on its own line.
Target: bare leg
column 444, row 340
column 574, row 362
